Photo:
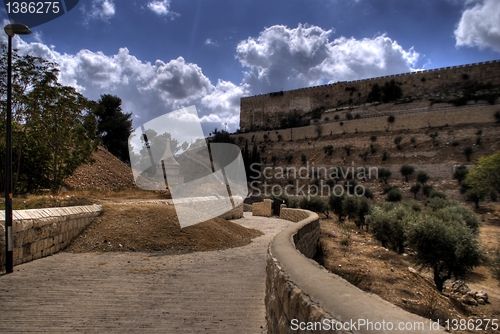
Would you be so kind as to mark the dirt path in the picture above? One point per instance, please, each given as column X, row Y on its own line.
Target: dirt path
column 132, row 292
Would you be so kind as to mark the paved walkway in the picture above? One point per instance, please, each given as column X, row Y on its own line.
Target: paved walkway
column 205, row 292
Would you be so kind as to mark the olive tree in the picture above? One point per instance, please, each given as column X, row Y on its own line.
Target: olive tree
column 447, row 246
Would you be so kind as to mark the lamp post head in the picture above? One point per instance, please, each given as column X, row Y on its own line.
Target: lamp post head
column 16, row 28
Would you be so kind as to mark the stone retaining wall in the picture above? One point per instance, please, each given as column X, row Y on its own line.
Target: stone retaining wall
column 42, row 232
column 263, row 209
column 299, row 289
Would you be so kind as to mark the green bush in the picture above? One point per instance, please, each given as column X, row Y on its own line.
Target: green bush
column 459, row 213
column 394, row 195
column 356, row 208
column 388, row 226
column 368, row 193
column 460, row 173
column 437, row 203
column 289, row 158
column 313, row 203
column 415, row 189
column 427, row 189
column 406, row 171
column 388, row 188
column 385, row 174
column 335, row 205
column 434, row 193
column 422, row 177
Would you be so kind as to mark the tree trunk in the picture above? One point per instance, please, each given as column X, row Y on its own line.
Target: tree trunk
column 438, row 279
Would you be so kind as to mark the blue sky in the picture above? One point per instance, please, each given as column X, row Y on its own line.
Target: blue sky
column 161, row 55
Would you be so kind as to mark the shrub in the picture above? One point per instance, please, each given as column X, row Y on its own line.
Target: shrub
column 394, row 195
column 313, row 203
column 427, row 189
column 434, row 193
column 422, row 177
column 384, row 174
column 303, row 158
column 497, row 116
column 356, row 208
column 455, row 143
column 368, row 193
column 388, row 226
column 468, row 152
column 364, row 155
column 406, row 171
column 350, row 185
column 388, row 188
column 335, row 204
column 450, row 248
column 347, row 150
column 336, row 117
column 459, row 213
column 385, row 156
column 348, row 116
column 289, row 158
column 328, row 149
column 437, row 203
column 391, row 119
column 373, row 150
column 415, row 189
column 374, row 138
column 274, row 159
column 460, row 173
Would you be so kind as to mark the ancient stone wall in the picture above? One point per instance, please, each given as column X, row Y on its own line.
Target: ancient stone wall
column 42, row 232
column 403, row 120
column 269, row 109
column 300, row 290
column 263, row 209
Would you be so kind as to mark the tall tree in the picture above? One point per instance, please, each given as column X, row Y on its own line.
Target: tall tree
column 52, row 124
column 113, row 126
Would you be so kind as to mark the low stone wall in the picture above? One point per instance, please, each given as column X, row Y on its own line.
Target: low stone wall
column 263, row 209
column 298, row 290
column 42, row 232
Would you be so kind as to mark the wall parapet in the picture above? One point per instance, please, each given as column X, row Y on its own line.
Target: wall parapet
column 299, row 289
column 39, row 233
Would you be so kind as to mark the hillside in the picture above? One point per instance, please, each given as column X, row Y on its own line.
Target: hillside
column 107, row 172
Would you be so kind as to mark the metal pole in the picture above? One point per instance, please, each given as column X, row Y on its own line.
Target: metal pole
column 9, row 260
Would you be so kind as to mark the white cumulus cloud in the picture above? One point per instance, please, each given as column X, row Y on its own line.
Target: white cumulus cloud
column 100, row 9
column 162, row 8
column 283, row 58
column 479, row 25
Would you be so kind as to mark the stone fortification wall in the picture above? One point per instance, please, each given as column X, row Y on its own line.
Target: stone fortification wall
column 300, row 290
column 42, row 232
column 404, row 119
column 263, row 209
column 269, row 109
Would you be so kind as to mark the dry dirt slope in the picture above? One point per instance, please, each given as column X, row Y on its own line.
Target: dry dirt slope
column 106, row 173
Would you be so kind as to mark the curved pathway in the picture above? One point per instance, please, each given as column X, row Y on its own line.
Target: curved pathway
column 204, row 292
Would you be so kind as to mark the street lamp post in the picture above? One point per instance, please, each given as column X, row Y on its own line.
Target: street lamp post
column 10, row 30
